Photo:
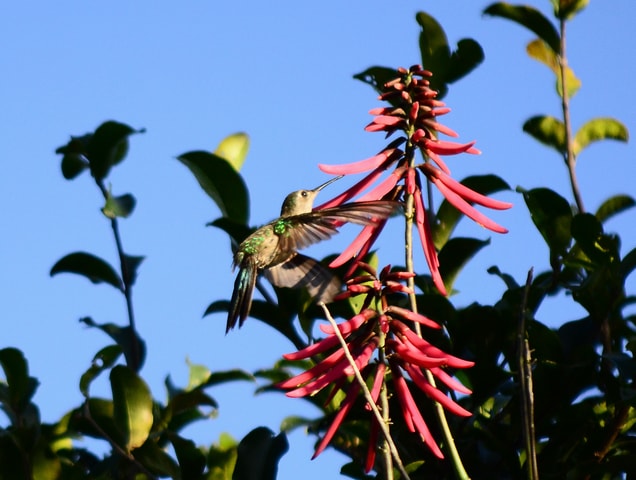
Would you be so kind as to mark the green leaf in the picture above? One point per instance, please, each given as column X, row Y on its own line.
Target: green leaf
column 233, row 149
column 465, row 59
column 587, row 230
column 107, row 147
column 156, row 460
column 103, row 360
column 258, row 455
column 221, row 182
column 448, row 216
column 132, row 406
column 613, row 206
column 529, row 17
column 552, row 216
column 599, row 129
column 454, row 255
column 541, row 52
column 123, row 336
column 628, row 264
column 547, row 130
column 191, row 459
column 567, row 9
column 222, row 458
column 132, row 263
column 376, row 77
column 89, row 266
column 20, row 386
column 121, row 206
column 73, row 165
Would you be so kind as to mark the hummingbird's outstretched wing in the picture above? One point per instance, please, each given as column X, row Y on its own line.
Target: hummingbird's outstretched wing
column 303, row 271
column 299, row 231
column 242, row 295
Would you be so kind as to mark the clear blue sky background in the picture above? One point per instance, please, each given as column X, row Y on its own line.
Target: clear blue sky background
column 193, row 72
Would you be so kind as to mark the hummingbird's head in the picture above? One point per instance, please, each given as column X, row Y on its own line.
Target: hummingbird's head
column 302, row 201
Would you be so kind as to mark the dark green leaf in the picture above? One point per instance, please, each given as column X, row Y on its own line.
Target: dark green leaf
column 103, row 360
column 552, row 215
column 586, row 230
column 90, row 266
column 217, row 378
column 157, row 460
column 73, row 165
column 293, row 422
column 530, row 18
column 465, row 59
column 121, row 206
column 135, row 353
column 628, row 263
column 132, row 263
column 548, row 130
column 221, row 182
column 108, row 147
column 434, row 51
column 448, row 216
column 599, row 129
column 376, row 77
column 508, row 279
column 614, row 205
column 233, row 149
column 132, row 406
column 191, row 459
column 258, row 455
column 20, row 386
column 454, row 255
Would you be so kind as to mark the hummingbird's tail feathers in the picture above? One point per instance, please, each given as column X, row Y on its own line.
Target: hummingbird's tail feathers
column 303, row 271
column 242, row 295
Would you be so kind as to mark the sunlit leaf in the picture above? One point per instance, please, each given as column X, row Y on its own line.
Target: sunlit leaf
column 233, row 149
column 540, row 51
column 599, row 129
column 103, row 360
column 547, row 130
column 89, row 266
column 132, row 406
column 120, row 206
column 529, row 17
column 135, row 353
column 567, row 9
column 613, row 206
column 221, row 182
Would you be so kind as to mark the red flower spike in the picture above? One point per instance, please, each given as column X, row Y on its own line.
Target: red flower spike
column 313, row 372
column 408, row 352
column 428, row 349
column 314, row 349
column 355, row 246
column 350, row 325
column 449, row 381
column 377, row 384
column 360, row 166
column 374, row 430
column 438, row 161
column 414, row 317
column 445, row 148
column 426, row 238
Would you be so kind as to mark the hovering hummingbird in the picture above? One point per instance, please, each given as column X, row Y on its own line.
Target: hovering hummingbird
column 273, row 249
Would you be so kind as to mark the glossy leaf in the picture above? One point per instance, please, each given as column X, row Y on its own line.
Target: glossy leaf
column 541, row 52
column 448, row 216
column 121, row 206
column 258, row 455
column 529, row 17
column 599, row 129
column 221, row 182
column 89, row 266
column 613, row 206
column 454, row 255
column 132, row 406
column 552, row 216
column 233, row 149
column 547, row 130
column 103, row 360
column 567, row 9
column 123, row 336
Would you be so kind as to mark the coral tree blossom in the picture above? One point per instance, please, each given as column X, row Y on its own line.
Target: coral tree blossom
column 413, row 116
column 380, row 337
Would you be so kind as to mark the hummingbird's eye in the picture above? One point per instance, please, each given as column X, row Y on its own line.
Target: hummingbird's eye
column 304, row 193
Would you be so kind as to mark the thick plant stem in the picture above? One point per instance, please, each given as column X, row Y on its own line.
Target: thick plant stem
column 525, row 385
column 460, row 471
column 367, row 395
column 570, row 158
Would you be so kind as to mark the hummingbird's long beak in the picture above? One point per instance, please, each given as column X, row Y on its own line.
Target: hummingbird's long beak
column 328, row 182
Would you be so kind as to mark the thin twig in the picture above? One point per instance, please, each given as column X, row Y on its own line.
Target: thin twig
column 570, row 158
column 525, row 385
column 367, row 395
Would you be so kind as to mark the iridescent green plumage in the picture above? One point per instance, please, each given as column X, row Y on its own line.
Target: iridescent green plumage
column 273, row 248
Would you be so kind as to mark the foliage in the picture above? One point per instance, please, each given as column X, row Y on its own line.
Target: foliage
column 556, row 402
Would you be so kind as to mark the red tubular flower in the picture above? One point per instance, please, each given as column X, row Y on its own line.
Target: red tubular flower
column 414, row 116
column 408, row 354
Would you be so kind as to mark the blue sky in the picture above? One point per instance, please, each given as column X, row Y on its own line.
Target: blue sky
column 193, row 72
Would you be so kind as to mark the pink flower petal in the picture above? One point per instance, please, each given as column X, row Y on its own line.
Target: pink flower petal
column 410, row 354
column 423, row 384
column 449, row 381
column 350, row 325
column 313, row 372
column 446, row 148
column 359, row 166
column 349, row 252
column 414, row 317
column 378, row 381
column 426, row 238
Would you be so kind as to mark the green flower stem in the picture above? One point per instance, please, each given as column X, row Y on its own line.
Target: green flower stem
column 460, row 471
column 367, row 395
column 570, row 158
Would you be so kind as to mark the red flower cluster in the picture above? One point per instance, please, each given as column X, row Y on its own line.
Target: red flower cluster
column 413, row 114
column 406, row 353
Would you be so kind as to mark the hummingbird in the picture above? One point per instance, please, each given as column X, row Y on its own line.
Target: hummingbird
column 272, row 250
